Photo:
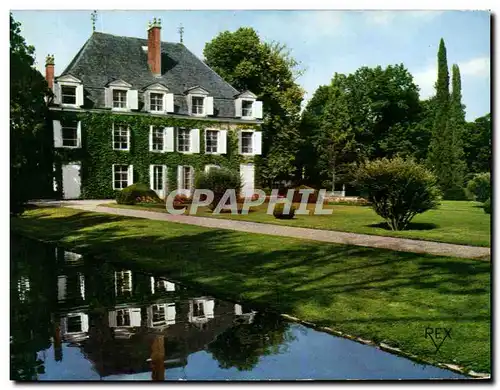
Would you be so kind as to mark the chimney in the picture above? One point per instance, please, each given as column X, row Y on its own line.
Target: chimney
column 49, row 70
column 154, row 46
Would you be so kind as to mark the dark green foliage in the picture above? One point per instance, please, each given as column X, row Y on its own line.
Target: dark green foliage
column 30, row 143
column 445, row 156
column 477, row 144
column 269, row 71
column 218, row 181
column 480, row 186
column 137, row 193
column 397, row 189
column 279, row 213
column 487, row 206
column 97, row 154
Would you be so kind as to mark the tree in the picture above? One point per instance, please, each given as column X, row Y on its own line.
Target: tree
column 30, row 166
column 477, row 144
column 444, row 151
column 269, row 71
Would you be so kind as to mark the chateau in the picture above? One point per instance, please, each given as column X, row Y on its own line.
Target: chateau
column 130, row 109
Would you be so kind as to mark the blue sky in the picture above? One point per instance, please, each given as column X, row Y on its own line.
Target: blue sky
column 324, row 42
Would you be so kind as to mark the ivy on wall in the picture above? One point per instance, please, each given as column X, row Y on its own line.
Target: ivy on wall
column 97, row 155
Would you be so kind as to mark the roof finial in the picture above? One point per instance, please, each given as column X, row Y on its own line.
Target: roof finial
column 181, row 32
column 93, row 16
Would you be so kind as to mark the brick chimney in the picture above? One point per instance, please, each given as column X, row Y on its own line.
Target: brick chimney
column 154, row 46
column 49, row 70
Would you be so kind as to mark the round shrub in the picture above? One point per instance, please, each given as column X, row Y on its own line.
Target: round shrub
column 137, row 193
column 487, row 206
column 398, row 189
column 480, row 187
column 297, row 196
column 279, row 213
column 218, row 181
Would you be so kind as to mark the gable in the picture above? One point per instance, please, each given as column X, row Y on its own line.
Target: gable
column 68, row 78
column 197, row 90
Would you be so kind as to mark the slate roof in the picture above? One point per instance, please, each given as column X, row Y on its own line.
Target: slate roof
column 106, row 57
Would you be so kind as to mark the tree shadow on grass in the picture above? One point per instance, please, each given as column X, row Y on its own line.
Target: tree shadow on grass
column 411, row 226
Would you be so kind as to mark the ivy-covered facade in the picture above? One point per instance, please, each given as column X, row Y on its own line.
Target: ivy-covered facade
column 130, row 110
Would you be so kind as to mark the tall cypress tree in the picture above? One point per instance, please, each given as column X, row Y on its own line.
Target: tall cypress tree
column 443, row 156
column 457, row 126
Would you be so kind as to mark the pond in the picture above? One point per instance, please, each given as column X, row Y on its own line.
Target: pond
column 74, row 318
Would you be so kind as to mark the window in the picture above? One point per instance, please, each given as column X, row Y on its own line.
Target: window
column 123, row 318
column 158, row 176
column 246, row 142
column 211, row 141
column 198, row 309
column 68, row 94
column 183, row 140
column 197, row 105
column 119, row 98
column 159, row 314
column 157, row 139
column 69, row 134
column 74, row 324
column 246, row 108
column 120, row 138
column 187, row 178
column 156, row 102
column 120, row 177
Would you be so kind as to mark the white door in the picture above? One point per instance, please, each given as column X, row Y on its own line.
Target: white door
column 71, row 181
column 247, row 172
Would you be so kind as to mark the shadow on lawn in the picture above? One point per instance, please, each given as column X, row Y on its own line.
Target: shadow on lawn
column 411, row 226
column 275, row 272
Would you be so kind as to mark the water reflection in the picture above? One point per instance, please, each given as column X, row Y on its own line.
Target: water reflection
column 74, row 318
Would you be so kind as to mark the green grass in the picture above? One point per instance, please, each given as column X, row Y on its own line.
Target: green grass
column 376, row 294
column 456, row 222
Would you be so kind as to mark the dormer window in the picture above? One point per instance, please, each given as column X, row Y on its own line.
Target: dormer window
column 119, row 98
column 68, row 94
column 158, row 100
column 246, row 108
column 197, row 107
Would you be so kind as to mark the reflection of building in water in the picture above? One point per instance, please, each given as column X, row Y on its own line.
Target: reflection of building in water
column 201, row 310
column 244, row 315
column 23, row 287
column 159, row 285
column 123, row 282
column 161, row 315
column 74, row 327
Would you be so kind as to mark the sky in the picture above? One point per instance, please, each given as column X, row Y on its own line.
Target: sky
column 324, row 42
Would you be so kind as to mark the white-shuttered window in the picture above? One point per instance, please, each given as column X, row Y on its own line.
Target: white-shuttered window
column 197, row 105
column 246, row 142
column 69, row 133
column 121, row 137
column 119, row 98
column 188, row 178
column 158, row 177
column 158, row 140
column 68, row 94
column 120, row 176
column 183, row 140
column 156, row 102
column 122, row 318
column 211, row 141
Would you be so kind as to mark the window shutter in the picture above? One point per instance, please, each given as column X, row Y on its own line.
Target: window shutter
column 79, row 134
column 165, row 183
column 108, row 98
column 194, row 138
column 151, row 138
column 191, row 179
column 209, row 105
column 128, row 138
column 57, row 134
column 168, row 144
column 237, row 108
column 189, row 104
column 239, row 141
column 257, row 109
column 79, row 95
column 132, row 99
column 147, row 101
column 168, row 102
column 222, row 141
column 57, row 93
column 130, row 175
column 257, row 142
column 180, row 184
column 151, row 177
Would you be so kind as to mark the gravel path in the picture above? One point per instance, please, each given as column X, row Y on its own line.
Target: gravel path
column 397, row 244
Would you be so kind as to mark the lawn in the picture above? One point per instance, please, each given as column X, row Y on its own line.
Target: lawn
column 373, row 293
column 456, row 222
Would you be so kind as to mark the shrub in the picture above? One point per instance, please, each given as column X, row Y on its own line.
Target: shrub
column 219, row 180
column 278, row 211
column 181, row 201
column 487, row 206
column 398, row 189
column 479, row 187
column 137, row 192
column 297, row 196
